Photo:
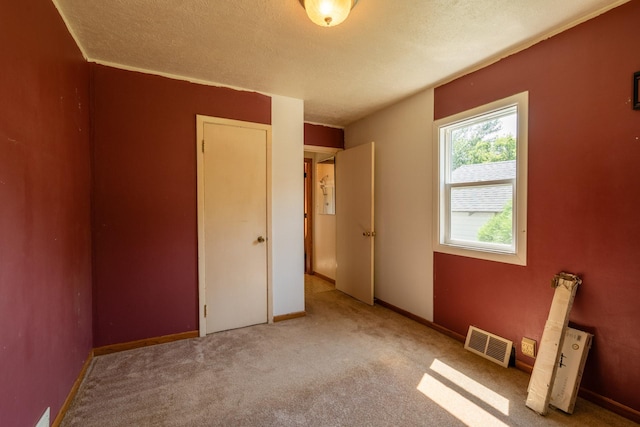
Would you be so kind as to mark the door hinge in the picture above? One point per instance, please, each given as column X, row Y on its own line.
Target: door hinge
column 203, row 151
column 205, row 310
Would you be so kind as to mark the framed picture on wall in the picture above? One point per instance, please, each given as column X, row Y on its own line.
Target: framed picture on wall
column 636, row 90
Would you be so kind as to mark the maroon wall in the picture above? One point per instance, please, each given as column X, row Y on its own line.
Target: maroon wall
column 584, row 149
column 323, row 136
column 145, row 211
column 45, row 246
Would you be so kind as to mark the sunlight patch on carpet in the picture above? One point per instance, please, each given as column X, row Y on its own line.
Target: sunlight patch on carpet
column 456, row 404
column 482, row 392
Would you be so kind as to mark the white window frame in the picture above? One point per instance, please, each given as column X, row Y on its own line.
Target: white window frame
column 517, row 253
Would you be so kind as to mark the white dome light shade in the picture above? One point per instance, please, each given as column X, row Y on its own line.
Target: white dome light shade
column 328, row 13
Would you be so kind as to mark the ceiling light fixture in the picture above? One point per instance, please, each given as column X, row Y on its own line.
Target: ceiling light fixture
column 328, row 13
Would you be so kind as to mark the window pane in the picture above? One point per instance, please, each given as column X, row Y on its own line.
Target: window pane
column 484, row 149
column 482, row 214
column 481, row 204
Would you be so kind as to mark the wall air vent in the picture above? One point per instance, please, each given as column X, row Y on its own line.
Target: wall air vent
column 489, row 346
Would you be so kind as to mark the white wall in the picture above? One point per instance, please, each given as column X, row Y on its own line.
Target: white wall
column 287, row 205
column 403, row 202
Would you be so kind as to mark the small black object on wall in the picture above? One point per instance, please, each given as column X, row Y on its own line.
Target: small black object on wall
column 636, row 90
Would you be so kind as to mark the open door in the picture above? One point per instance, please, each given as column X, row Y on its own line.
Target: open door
column 354, row 222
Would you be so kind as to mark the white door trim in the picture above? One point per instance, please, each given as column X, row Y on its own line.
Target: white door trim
column 320, row 149
column 200, row 122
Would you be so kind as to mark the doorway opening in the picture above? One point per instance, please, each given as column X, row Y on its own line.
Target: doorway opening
column 319, row 212
column 308, row 215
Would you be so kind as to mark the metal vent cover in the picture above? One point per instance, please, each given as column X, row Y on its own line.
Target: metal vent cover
column 489, row 346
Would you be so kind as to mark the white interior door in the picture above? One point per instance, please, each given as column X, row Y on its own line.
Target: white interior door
column 235, row 226
column 354, row 222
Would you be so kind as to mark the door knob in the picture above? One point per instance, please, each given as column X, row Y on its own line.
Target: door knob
column 261, row 239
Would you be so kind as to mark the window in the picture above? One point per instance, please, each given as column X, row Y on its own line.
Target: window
column 481, row 182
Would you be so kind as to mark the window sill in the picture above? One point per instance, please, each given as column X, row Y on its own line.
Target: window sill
column 487, row 255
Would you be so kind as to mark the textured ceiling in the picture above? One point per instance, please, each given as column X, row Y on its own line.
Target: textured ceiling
column 386, row 49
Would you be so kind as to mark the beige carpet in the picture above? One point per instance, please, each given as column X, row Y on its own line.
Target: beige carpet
column 344, row 364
